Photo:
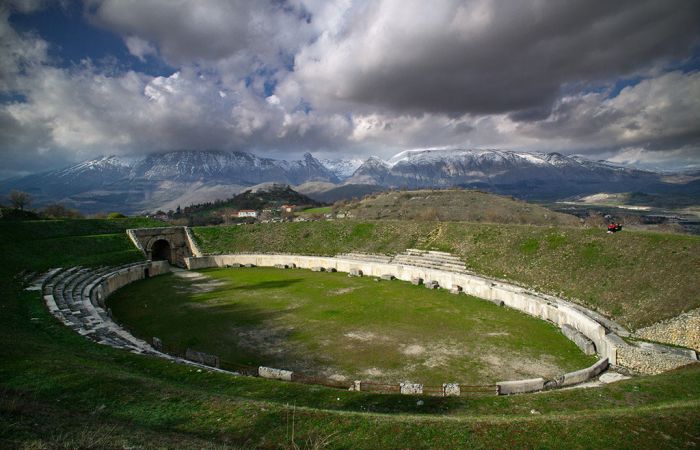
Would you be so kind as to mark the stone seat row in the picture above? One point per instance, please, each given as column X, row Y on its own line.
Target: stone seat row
column 429, row 263
column 365, row 257
column 72, row 296
column 431, row 255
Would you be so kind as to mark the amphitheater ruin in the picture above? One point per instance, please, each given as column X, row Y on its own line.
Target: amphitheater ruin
column 76, row 296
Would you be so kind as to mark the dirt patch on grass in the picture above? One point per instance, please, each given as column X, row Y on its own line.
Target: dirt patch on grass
column 268, row 339
column 412, row 350
column 195, row 282
column 373, row 372
column 365, row 336
column 341, row 291
column 511, row 367
column 207, row 287
column 187, row 275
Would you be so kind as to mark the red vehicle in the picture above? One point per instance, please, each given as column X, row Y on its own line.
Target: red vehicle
column 614, row 227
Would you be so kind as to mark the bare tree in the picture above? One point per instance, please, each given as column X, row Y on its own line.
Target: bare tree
column 20, row 199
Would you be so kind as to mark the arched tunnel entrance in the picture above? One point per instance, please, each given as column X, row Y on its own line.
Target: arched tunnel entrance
column 161, row 251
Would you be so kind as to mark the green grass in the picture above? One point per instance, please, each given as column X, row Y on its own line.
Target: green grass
column 315, row 211
column 453, row 205
column 60, row 390
column 323, row 324
column 637, row 278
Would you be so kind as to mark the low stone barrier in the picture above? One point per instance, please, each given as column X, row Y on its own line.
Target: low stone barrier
column 520, row 386
column 411, row 388
column 451, row 390
column 582, row 375
column 586, row 345
column 275, row 374
column 202, row 358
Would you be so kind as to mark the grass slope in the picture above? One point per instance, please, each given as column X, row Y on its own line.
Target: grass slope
column 59, row 390
column 636, row 277
column 454, row 205
column 326, row 324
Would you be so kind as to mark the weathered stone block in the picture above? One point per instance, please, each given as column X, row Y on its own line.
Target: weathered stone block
column 330, row 269
column 249, row 265
column 317, row 269
column 451, row 390
column 411, row 388
column 456, row 290
column 520, row 386
column 585, row 344
column 276, row 374
column 387, row 277
column 355, row 273
column 202, row 358
column 157, row 343
column 586, row 374
column 416, row 281
column 432, row 284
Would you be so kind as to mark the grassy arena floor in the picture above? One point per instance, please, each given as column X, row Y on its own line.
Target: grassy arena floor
column 330, row 325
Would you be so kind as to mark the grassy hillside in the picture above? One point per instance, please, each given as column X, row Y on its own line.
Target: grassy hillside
column 41, row 244
column 636, row 277
column 59, row 390
column 453, row 205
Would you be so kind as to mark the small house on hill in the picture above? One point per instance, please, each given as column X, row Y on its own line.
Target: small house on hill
column 287, row 208
column 248, row 213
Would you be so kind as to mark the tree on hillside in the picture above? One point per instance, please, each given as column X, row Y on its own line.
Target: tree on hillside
column 20, row 199
column 59, row 211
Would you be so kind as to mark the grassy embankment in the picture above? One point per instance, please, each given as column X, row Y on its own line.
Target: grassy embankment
column 331, row 326
column 456, row 205
column 638, row 278
column 58, row 389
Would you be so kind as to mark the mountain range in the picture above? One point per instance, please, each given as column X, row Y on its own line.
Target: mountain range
column 167, row 180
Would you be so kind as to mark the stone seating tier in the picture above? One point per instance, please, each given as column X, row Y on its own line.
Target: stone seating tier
column 365, row 257
column 71, row 298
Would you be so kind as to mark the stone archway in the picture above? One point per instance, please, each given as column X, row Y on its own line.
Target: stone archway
column 171, row 244
column 161, row 251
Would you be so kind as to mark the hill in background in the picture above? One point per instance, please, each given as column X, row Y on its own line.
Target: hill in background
column 452, row 205
column 264, row 196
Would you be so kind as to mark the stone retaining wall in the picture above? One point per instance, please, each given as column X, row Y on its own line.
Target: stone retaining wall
column 682, row 330
column 650, row 362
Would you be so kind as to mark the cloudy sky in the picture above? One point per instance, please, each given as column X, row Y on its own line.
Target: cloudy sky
column 608, row 79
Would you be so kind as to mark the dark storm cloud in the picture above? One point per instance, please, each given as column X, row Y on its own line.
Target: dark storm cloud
column 492, row 57
column 243, row 31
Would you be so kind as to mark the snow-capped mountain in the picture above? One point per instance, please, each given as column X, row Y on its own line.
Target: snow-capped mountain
column 342, row 168
column 166, row 180
column 540, row 175
column 132, row 184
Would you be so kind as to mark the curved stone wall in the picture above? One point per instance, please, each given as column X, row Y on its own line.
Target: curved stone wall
column 602, row 332
column 545, row 307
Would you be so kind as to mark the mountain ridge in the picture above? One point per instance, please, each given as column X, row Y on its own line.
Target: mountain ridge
column 133, row 184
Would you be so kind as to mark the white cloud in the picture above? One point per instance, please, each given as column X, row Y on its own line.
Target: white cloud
column 140, row 48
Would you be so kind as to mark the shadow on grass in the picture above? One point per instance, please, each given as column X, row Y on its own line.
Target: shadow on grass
column 275, row 284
